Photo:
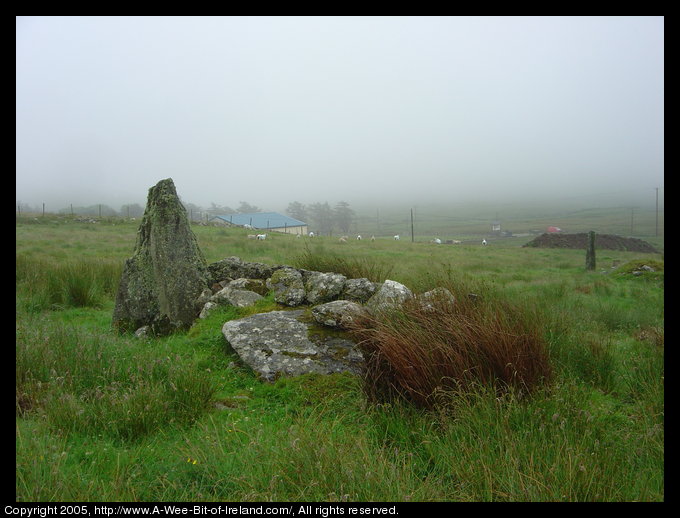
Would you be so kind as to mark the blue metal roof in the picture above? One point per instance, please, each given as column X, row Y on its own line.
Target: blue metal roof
column 262, row 220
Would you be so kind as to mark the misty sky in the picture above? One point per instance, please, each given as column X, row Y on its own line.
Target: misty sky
column 271, row 110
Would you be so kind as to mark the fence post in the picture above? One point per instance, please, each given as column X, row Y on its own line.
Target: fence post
column 590, row 251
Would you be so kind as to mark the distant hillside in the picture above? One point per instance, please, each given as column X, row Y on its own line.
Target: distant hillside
column 604, row 241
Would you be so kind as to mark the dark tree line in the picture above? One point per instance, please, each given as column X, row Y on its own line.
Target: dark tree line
column 322, row 218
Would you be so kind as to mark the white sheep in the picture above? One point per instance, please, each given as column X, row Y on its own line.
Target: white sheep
column 343, row 239
column 252, row 236
column 437, row 241
column 262, row 237
column 372, row 238
column 396, row 238
column 311, row 234
column 484, row 241
column 359, row 237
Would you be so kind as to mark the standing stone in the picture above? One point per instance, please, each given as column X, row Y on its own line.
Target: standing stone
column 162, row 282
column 590, row 251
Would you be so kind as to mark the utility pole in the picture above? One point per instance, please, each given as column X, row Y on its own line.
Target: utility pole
column 412, row 235
column 632, row 210
column 656, row 232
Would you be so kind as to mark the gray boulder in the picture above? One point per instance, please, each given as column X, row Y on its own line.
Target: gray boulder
column 323, row 287
column 438, row 297
column 391, row 294
column 207, row 308
column 162, row 283
column 279, row 344
column 338, row 313
column 235, row 297
column 235, row 268
column 359, row 290
column 287, row 285
column 259, row 286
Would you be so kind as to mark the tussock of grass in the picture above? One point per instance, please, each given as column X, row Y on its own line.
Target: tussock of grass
column 419, row 352
column 88, row 381
column 104, row 417
column 73, row 283
column 320, row 260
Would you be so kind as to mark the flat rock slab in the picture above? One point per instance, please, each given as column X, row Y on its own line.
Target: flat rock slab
column 279, row 343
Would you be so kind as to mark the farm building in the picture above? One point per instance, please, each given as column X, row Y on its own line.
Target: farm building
column 272, row 221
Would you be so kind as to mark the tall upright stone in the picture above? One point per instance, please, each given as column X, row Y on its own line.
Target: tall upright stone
column 590, row 251
column 163, row 280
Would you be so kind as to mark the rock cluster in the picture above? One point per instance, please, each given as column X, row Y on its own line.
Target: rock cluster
column 297, row 341
column 166, row 285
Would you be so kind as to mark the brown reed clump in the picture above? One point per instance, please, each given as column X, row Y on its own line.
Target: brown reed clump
column 420, row 351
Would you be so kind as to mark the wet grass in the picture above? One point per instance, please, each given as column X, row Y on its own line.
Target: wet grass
column 108, row 417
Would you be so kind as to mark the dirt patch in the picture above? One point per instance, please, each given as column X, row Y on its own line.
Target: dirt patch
column 602, row 241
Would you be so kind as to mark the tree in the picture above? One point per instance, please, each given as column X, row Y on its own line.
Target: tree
column 217, row 209
column 343, row 216
column 132, row 210
column 194, row 212
column 321, row 215
column 247, row 207
column 297, row 210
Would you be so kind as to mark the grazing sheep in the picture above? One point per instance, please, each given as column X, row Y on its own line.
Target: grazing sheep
column 311, row 234
column 343, row 239
column 437, row 241
column 262, row 237
column 252, row 236
column 396, row 238
column 456, row 242
column 484, row 241
column 372, row 238
column 359, row 237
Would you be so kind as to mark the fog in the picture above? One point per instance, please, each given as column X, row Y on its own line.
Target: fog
column 368, row 110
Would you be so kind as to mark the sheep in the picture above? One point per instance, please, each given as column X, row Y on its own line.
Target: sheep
column 437, row 241
column 372, row 238
column 484, row 241
column 456, row 242
column 252, row 236
column 311, row 234
column 359, row 237
column 396, row 238
column 262, row 237
column 343, row 239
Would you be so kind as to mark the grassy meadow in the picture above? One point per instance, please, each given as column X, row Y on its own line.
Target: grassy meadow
column 108, row 417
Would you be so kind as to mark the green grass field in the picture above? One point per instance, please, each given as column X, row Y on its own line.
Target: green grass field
column 108, row 417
